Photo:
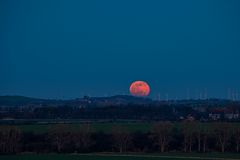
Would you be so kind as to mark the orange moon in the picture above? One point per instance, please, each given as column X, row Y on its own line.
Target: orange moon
column 139, row 88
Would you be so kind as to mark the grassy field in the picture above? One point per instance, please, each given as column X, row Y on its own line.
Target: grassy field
column 213, row 156
column 105, row 127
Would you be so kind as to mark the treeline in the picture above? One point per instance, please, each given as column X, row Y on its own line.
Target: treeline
column 139, row 112
column 146, row 112
column 163, row 137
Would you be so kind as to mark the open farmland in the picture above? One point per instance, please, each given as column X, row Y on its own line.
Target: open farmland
column 170, row 156
column 105, row 127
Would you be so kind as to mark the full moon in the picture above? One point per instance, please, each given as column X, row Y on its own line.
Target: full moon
column 139, row 88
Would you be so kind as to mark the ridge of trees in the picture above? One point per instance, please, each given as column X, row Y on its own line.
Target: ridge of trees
column 190, row 136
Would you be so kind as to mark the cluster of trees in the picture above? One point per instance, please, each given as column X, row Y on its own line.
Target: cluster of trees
column 163, row 137
column 143, row 112
column 9, row 139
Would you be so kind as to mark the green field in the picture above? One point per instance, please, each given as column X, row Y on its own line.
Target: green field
column 169, row 156
column 104, row 127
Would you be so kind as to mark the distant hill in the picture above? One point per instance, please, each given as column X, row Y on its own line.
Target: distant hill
column 104, row 101
column 120, row 100
column 21, row 100
column 113, row 100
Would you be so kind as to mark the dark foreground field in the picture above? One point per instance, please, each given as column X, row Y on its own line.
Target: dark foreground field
column 168, row 156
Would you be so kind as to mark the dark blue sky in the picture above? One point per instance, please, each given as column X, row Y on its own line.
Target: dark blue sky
column 68, row 48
